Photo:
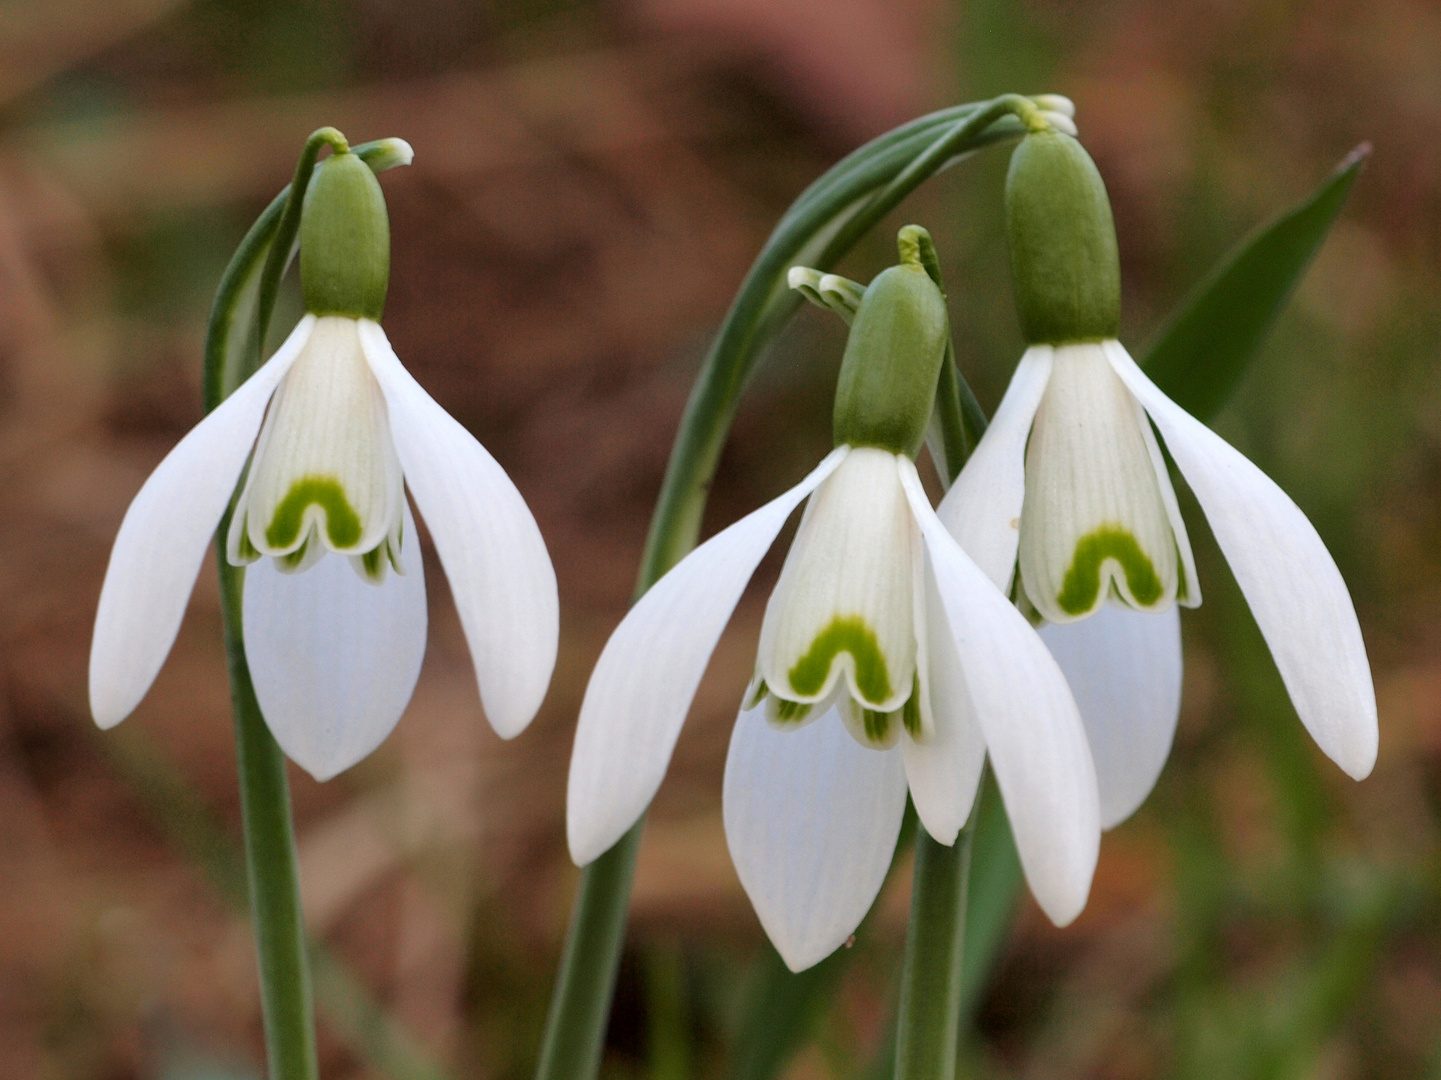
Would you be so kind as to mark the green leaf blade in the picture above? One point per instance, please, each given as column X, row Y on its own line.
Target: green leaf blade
column 1200, row 354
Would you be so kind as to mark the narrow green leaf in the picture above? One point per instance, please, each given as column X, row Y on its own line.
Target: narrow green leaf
column 1204, row 347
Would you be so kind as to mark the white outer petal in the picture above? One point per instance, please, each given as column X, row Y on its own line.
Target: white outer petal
column 983, row 508
column 489, row 544
column 1288, row 577
column 1124, row 668
column 650, row 669
column 811, row 819
column 334, row 658
column 945, row 771
column 1032, row 729
column 163, row 538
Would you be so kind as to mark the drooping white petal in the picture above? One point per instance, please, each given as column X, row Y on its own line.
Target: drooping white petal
column 1032, row 729
column 325, row 474
column 983, row 508
column 1288, row 577
column 649, row 671
column 162, row 541
column 1094, row 520
column 843, row 607
column 944, row 771
column 1124, row 669
column 500, row 573
column 334, row 658
column 811, row 819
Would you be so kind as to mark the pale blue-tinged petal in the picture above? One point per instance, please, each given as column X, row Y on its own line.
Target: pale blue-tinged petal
column 334, row 657
column 488, row 542
column 811, row 819
column 650, row 669
column 1124, row 669
column 163, row 538
column 1032, row 729
column 1288, row 577
column 945, row 770
column 983, row 508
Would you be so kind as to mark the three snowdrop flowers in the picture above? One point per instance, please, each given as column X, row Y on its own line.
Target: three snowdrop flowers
column 891, row 659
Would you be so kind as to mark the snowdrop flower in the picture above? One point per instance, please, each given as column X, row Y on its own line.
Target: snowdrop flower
column 334, row 597
column 887, row 659
column 1068, row 493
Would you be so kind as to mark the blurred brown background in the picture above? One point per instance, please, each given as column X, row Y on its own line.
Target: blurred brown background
column 591, row 180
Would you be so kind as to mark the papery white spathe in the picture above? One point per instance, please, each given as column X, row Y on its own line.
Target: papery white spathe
column 1289, row 579
column 812, row 815
column 334, row 651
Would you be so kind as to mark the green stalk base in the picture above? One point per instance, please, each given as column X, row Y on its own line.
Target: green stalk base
column 580, row 1008
column 930, row 1009
column 271, row 866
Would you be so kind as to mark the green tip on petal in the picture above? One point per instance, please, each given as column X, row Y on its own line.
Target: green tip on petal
column 1064, row 258
column 342, row 523
column 849, row 634
column 1080, row 591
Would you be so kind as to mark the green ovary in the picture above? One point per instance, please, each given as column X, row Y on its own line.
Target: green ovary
column 846, row 633
column 342, row 523
column 1082, row 584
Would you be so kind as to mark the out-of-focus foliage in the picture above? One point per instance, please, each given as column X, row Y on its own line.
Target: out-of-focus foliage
column 591, row 181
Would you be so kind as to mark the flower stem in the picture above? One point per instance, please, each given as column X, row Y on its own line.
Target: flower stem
column 271, row 866
column 930, row 1016
column 239, row 318
column 821, row 226
column 575, row 1027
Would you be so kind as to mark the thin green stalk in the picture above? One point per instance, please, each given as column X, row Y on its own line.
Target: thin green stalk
column 929, row 1017
column 273, row 872
column 354, row 1016
column 580, row 1007
column 821, row 226
column 835, row 212
column 287, row 229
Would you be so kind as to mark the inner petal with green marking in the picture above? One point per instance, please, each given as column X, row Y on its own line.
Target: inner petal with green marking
column 317, row 501
column 842, row 611
column 1109, row 555
column 1099, row 520
column 848, row 635
column 324, row 475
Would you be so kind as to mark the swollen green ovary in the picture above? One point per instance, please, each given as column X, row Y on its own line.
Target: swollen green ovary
column 1081, row 587
column 342, row 524
column 849, row 634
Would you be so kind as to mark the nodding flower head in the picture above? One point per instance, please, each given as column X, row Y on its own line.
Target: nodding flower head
column 1068, row 504
column 334, row 431
column 887, row 662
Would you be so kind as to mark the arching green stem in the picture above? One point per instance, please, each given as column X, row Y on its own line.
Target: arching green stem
column 823, row 224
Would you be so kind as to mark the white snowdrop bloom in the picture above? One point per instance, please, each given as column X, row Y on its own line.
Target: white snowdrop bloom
column 334, row 609
column 1068, row 503
column 887, row 660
